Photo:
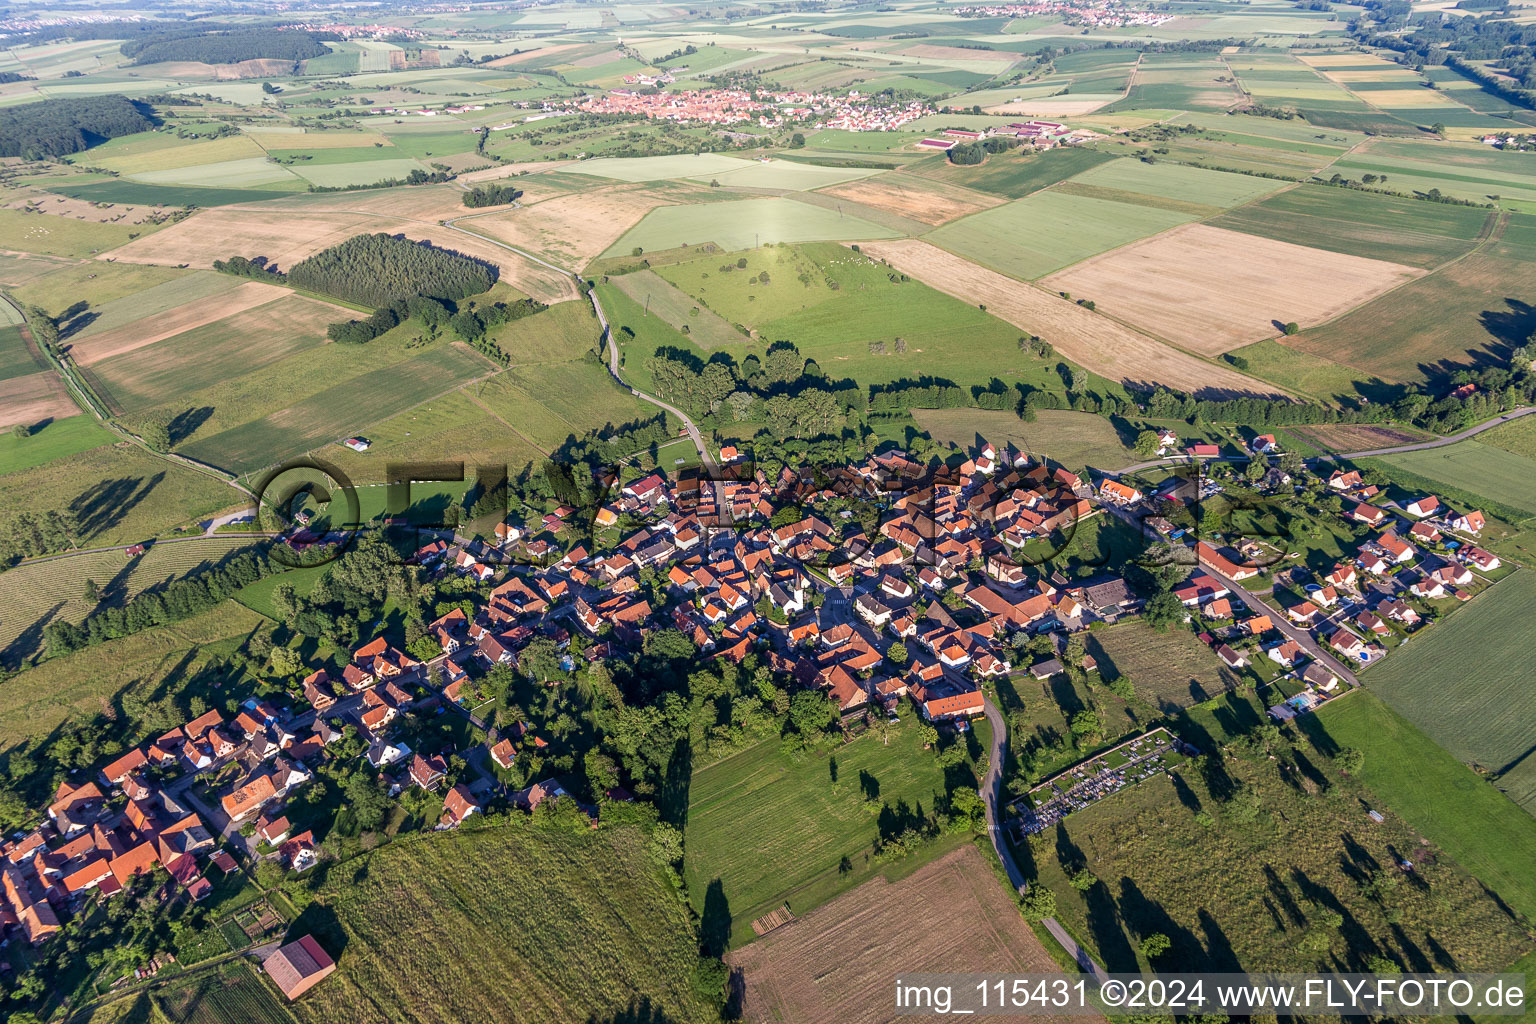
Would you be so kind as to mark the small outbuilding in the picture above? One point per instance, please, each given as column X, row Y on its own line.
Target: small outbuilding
column 299, row 966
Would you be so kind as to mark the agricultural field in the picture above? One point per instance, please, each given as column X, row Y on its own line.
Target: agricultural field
column 38, row 593
column 231, row 994
column 765, row 827
column 1464, row 314
column 744, row 224
column 572, row 230
column 1303, row 849
column 911, row 196
column 1069, row 438
column 1403, row 231
column 703, row 326
column 1517, row 437
column 1478, row 468
column 1463, row 683
column 833, row 965
column 1450, row 804
column 1170, row 670
column 1210, row 290
column 1092, row 341
column 1032, row 237
column 54, row 440
column 1009, row 175
column 52, row 235
column 174, row 661
column 463, row 925
column 1305, row 373
column 1177, row 182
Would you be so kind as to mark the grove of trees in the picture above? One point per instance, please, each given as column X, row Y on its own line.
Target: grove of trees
column 379, row 270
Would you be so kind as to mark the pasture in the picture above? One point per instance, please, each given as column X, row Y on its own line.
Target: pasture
column 1477, row 468
column 765, row 827
column 1307, row 846
column 1089, row 340
column 336, row 410
column 1032, row 237
column 703, row 326
column 1170, row 670
column 549, row 402
column 1404, row 231
column 454, row 427
column 54, row 440
column 1305, row 373
column 51, row 235
column 1464, row 683
column 1437, row 795
column 833, row 965
column 1464, row 314
column 99, row 345
column 1517, row 436
column 1072, row 439
column 227, row 343
column 463, row 924
column 1210, row 290
column 744, row 224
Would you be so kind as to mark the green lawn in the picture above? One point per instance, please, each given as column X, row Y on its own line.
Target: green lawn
column 1032, row 237
column 505, row 921
column 1437, row 795
column 1464, row 682
column 772, row 828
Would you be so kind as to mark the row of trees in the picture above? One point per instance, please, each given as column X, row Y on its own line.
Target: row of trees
column 59, row 127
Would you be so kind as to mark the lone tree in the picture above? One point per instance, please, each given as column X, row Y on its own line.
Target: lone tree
column 1351, row 760
column 1038, row 902
column 1292, row 328
column 1154, row 945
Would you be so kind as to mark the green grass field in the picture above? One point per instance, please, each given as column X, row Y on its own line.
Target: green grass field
column 1177, row 182
column 1073, row 439
column 1464, row 683
column 338, row 410
column 1405, row 231
column 771, row 828
column 1013, row 175
column 744, row 224
column 1032, row 237
column 1476, row 467
column 16, row 359
column 658, row 297
column 140, row 193
column 1303, row 372
column 64, row 236
column 1437, row 795
column 1169, row 670
column 1234, row 894
column 60, row 438
column 505, row 921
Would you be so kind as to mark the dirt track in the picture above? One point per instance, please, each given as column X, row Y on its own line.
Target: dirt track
column 838, row 964
column 1095, row 342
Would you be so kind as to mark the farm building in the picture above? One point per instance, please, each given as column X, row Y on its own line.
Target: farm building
column 299, row 966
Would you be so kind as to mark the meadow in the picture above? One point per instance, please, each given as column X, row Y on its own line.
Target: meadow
column 54, row 440
column 1170, row 670
column 744, row 224
column 553, row 401
column 1011, row 175
column 490, row 922
column 64, row 236
column 1479, row 468
column 1159, row 848
column 765, row 827
column 1406, row 231
column 1304, row 373
column 1464, row 683
column 1178, row 182
column 1072, row 439
column 1437, row 795
column 1032, row 237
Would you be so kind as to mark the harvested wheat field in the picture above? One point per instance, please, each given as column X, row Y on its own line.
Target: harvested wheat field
column 1211, row 290
column 837, row 965
column 917, row 198
column 34, row 397
column 572, row 230
column 174, row 321
column 1095, row 342
column 288, row 236
column 543, row 51
column 510, row 170
column 283, row 237
column 1053, row 106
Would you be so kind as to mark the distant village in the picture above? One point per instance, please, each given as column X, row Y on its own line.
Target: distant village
column 850, row 112
column 922, row 601
column 1103, row 14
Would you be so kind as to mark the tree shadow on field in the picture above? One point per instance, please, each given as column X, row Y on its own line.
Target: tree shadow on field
column 715, row 921
column 320, row 921
column 104, row 505
column 184, row 424
column 639, row 1012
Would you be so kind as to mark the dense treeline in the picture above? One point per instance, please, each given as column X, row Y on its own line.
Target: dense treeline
column 177, row 600
column 257, row 268
column 227, row 47
column 63, row 126
column 26, row 534
column 491, row 195
column 380, row 270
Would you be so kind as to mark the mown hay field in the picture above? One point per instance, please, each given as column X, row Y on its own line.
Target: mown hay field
column 1210, row 290
column 744, row 224
column 765, row 827
column 1091, row 341
column 1031, row 237
column 1477, row 468
column 1069, row 438
column 505, row 921
column 186, row 317
column 1439, row 796
column 834, row 965
column 1464, row 682
column 918, row 198
column 660, row 298
column 1169, row 670
column 571, row 230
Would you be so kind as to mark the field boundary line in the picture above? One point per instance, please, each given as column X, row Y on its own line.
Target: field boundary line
column 498, row 418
